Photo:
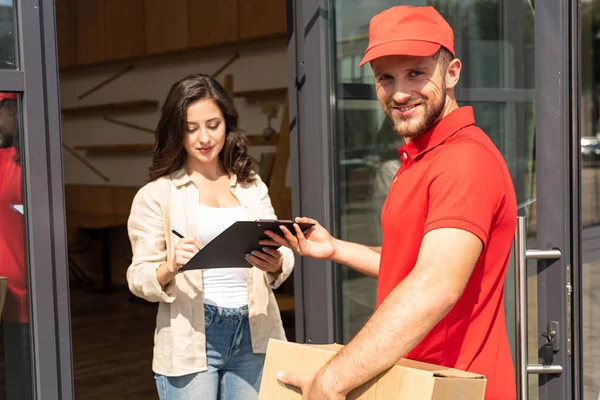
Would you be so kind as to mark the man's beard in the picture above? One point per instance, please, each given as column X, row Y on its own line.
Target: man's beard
column 404, row 128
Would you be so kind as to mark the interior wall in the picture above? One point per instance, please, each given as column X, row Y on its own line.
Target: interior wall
column 261, row 67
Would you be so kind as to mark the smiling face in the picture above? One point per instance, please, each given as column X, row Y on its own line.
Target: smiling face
column 412, row 91
column 205, row 131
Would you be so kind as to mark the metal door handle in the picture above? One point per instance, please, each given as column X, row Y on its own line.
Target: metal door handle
column 521, row 257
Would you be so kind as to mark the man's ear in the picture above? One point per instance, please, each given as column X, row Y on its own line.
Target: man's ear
column 453, row 73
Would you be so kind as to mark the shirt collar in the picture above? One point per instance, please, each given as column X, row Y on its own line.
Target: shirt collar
column 438, row 133
column 9, row 152
column 181, row 178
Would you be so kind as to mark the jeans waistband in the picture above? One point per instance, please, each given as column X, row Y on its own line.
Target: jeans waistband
column 226, row 312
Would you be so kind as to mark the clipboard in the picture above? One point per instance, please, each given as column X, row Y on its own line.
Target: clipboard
column 229, row 249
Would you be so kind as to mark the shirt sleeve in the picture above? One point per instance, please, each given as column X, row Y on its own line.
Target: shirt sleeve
column 267, row 212
column 467, row 186
column 145, row 227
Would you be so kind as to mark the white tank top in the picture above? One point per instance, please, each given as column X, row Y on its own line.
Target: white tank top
column 223, row 287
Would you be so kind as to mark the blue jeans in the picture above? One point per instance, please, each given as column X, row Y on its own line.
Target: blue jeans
column 234, row 372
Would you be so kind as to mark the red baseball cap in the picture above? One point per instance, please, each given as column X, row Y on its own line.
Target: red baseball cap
column 408, row 31
column 8, row 95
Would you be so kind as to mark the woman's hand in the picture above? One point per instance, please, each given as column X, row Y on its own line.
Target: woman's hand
column 185, row 249
column 268, row 260
column 317, row 243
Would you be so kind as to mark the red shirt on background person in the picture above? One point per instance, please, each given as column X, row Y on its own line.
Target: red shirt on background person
column 448, row 224
column 12, row 233
column 15, row 313
column 12, row 238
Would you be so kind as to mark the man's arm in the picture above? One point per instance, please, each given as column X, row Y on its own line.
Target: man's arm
column 318, row 243
column 362, row 258
column 444, row 266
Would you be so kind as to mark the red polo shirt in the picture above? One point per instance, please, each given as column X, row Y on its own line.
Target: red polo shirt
column 12, row 238
column 454, row 177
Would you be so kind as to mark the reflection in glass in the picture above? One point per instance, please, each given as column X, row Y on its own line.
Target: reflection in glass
column 15, row 374
column 590, row 196
column 8, row 35
column 590, row 112
column 495, row 41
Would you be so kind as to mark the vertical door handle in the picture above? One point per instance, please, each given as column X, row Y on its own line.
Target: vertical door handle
column 521, row 257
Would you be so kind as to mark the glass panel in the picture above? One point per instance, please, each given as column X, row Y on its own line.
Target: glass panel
column 495, row 41
column 367, row 163
column 590, row 196
column 15, row 355
column 8, row 35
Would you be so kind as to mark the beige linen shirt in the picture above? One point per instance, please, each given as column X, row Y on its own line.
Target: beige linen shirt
column 171, row 202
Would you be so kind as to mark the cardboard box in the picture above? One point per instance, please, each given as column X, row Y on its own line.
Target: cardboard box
column 410, row 380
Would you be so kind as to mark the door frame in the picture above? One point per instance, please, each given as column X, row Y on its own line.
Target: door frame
column 576, row 208
column 36, row 81
column 554, row 183
column 311, row 161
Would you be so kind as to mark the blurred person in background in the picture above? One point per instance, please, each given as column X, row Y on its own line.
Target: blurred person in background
column 15, row 314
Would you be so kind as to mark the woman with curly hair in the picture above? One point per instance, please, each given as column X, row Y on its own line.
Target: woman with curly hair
column 213, row 325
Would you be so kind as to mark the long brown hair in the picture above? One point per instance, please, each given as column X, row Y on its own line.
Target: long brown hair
column 169, row 153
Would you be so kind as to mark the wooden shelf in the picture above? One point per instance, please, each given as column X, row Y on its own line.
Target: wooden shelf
column 118, row 148
column 253, row 95
column 183, row 53
column 136, row 105
column 259, row 140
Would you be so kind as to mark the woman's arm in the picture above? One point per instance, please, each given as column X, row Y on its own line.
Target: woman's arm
column 150, row 276
column 166, row 272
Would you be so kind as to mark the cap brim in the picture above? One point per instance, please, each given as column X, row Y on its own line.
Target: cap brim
column 8, row 95
column 415, row 48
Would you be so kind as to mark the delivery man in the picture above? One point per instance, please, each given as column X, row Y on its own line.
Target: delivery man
column 448, row 223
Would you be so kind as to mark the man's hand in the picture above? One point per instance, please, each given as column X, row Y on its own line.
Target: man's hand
column 318, row 243
column 313, row 388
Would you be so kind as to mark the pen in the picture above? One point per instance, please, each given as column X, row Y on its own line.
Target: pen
column 177, row 234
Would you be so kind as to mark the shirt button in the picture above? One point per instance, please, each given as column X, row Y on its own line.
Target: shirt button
column 395, row 179
column 404, row 155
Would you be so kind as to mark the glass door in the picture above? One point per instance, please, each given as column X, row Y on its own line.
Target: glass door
column 497, row 80
column 588, row 19
column 516, row 75
column 502, row 61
